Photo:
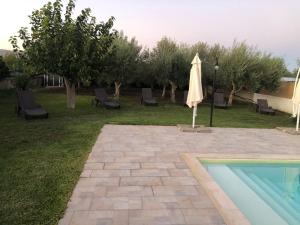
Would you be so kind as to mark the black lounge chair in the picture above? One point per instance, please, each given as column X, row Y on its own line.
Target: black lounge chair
column 27, row 106
column 219, row 100
column 185, row 94
column 263, row 107
column 101, row 98
column 147, row 98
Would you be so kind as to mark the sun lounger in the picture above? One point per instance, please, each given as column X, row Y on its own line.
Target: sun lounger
column 27, row 106
column 147, row 98
column 263, row 107
column 102, row 99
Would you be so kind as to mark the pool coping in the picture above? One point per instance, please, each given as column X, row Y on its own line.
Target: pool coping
column 230, row 213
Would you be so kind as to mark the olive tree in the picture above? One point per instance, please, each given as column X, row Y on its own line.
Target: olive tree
column 244, row 67
column 162, row 58
column 60, row 44
column 171, row 65
column 122, row 63
column 181, row 64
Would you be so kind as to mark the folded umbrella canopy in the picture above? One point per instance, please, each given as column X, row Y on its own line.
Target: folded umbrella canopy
column 296, row 100
column 195, row 94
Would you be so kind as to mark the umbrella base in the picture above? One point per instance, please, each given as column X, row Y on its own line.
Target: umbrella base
column 197, row 129
column 289, row 130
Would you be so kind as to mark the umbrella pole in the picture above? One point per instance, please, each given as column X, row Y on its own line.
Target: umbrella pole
column 298, row 115
column 194, row 115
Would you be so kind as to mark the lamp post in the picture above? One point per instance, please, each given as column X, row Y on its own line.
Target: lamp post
column 213, row 93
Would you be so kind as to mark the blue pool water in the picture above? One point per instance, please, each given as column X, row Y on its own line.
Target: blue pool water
column 267, row 194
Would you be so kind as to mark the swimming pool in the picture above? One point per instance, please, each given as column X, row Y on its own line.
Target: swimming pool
column 266, row 193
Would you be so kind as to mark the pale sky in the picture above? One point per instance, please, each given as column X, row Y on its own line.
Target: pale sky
column 270, row 25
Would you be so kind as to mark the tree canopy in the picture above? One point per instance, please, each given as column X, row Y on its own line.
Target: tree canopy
column 60, row 44
column 82, row 50
column 122, row 62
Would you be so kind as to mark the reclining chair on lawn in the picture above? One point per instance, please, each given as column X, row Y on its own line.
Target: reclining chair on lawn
column 219, row 100
column 27, row 106
column 263, row 107
column 101, row 98
column 147, row 98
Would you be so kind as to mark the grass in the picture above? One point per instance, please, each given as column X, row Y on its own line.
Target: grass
column 41, row 160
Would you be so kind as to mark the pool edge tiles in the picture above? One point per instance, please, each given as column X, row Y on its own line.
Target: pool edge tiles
column 227, row 208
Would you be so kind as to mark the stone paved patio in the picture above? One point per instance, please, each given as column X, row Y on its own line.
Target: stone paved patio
column 135, row 174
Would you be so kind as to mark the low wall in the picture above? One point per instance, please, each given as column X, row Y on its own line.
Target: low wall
column 278, row 103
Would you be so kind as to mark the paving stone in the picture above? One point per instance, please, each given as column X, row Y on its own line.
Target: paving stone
column 179, row 181
column 86, row 173
column 202, row 216
column 66, row 220
column 175, row 191
column 180, row 172
column 150, row 173
column 181, row 165
column 164, row 191
column 158, row 165
column 98, row 182
column 89, row 191
column 168, row 202
column 140, row 181
column 130, row 191
column 93, row 166
column 157, row 217
column 116, row 203
column 101, row 217
column 79, row 203
column 110, row 173
column 121, row 166
column 141, row 153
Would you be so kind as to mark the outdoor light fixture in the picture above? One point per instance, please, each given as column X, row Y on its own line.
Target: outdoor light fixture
column 213, row 93
column 217, row 65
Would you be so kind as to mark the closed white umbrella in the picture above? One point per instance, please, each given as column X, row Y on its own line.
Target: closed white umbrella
column 195, row 94
column 296, row 100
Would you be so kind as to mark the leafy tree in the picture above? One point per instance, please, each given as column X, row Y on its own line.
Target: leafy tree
column 122, row 62
column 145, row 70
column 245, row 67
column 162, row 56
column 4, row 71
column 59, row 44
column 12, row 62
column 181, row 64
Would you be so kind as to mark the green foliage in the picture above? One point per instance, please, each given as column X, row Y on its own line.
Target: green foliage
column 122, row 63
column 4, row 70
column 12, row 62
column 163, row 58
column 145, row 74
column 58, row 44
column 242, row 66
column 22, row 81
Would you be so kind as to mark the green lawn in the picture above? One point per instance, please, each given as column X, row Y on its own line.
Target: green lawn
column 41, row 160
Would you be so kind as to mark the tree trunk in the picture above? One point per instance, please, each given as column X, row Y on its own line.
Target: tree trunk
column 163, row 95
column 230, row 99
column 173, row 90
column 117, row 89
column 71, row 94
